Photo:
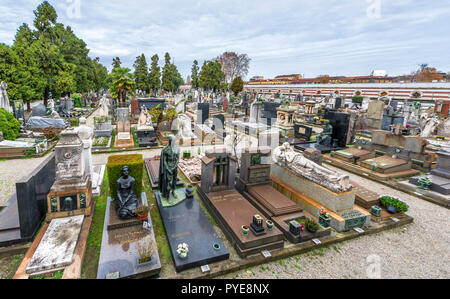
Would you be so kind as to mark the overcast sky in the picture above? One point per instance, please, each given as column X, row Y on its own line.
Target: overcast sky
column 310, row 37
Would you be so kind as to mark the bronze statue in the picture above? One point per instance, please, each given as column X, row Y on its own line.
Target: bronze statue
column 127, row 201
column 325, row 137
column 168, row 169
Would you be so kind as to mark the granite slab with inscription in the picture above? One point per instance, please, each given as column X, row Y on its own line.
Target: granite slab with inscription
column 186, row 223
column 119, row 249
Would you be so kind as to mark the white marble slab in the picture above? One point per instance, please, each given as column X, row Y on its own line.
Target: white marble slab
column 16, row 143
column 124, row 136
column 57, row 246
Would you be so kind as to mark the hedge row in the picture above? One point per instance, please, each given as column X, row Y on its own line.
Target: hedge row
column 135, row 162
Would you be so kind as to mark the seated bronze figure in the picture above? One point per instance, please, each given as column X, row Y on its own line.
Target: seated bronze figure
column 127, row 201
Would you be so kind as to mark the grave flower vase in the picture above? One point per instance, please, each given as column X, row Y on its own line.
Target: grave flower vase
column 324, row 221
column 245, row 230
column 143, row 263
column 375, row 211
column 392, row 209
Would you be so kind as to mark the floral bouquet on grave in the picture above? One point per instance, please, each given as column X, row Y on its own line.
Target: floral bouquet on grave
column 425, row 183
column 323, row 213
column 183, row 250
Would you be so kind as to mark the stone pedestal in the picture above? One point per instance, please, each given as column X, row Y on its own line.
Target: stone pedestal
column 71, row 193
column 311, row 197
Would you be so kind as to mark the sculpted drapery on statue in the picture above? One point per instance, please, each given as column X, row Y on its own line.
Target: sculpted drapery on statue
column 127, row 201
column 285, row 156
column 168, row 169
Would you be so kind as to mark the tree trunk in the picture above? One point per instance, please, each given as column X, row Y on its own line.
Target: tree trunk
column 46, row 94
column 28, row 105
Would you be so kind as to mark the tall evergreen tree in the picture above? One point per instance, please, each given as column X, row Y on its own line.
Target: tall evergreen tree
column 141, row 73
column 116, row 63
column 167, row 76
column 194, row 75
column 31, row 83
column 211, row 76
column 155, row 74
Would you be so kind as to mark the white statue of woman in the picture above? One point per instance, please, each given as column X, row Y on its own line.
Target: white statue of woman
column 285, row 156
column 4, row 100
column 185, row 130
column 104, row 106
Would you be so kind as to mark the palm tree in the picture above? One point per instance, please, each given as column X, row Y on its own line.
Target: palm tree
column 122, row 83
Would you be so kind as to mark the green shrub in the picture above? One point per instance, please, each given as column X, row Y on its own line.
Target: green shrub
column 357, row 100
column 135, row 162
column 9, row 125
column 74, row 122
column 312, row 225
column 395, row 202
column 77, row 100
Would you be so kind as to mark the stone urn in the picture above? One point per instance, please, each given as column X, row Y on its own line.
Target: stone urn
column 190, row 191
column 245, row 229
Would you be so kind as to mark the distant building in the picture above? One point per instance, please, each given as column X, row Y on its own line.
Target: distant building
column 288, row 77
column 256, row 78
column 379, row 73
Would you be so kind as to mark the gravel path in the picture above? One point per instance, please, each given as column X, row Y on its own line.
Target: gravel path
column 418, row 250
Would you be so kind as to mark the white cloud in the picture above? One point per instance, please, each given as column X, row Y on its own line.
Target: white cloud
column 283, row 36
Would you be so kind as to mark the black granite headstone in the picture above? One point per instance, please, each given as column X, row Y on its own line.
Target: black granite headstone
column 302, row 132
column 202, row 112
column 152, row 103
column 338, row 103
column 270, row 112
column 340, row 122
column 186, row 223
column 32, row 196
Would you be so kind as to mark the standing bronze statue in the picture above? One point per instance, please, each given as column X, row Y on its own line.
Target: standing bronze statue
column 127, row 201
column 168, row 169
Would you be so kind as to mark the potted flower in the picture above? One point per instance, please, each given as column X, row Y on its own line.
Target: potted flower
column 311, row 226
column 245, row 229
column 142, row 212
column 393, row 205
column 183, row 250
column 324, row 218
column 269, row 224
column 145, row 251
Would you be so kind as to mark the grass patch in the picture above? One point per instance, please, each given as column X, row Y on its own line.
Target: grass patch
column 94, row 243
column 56, row 275
column 165, row 255
column 113, row 138
column 12, row 267
column 133, row 133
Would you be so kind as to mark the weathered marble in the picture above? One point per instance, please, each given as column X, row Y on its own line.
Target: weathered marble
column 285, row 156
column 57, row 246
